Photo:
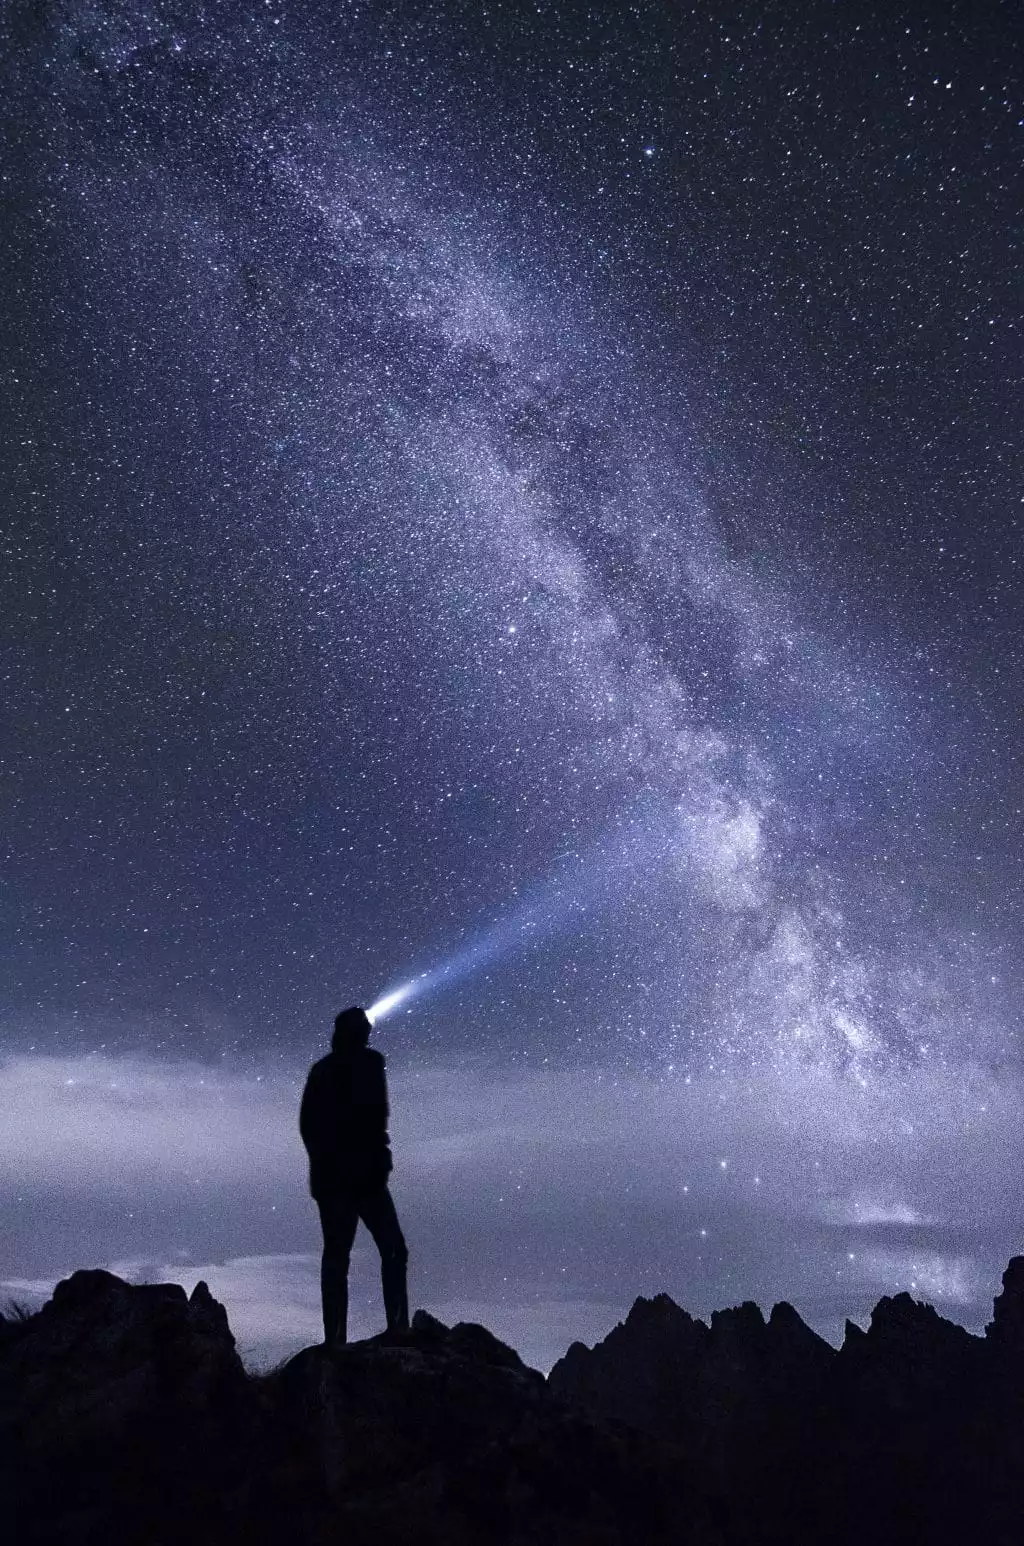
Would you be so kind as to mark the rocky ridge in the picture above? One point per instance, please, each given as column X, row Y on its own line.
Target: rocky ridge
column 912, row 1430
column 127, row 1416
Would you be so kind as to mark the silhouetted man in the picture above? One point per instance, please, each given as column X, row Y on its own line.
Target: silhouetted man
column 344, row 1125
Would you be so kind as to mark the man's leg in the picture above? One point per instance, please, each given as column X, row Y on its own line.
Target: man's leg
column 339, row 1216
column 377, row 1210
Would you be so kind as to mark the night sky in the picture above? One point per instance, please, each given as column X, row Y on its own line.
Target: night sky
column 530, row 492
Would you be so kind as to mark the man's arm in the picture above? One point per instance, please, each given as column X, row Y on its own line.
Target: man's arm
column 377, row 1092
column 308, row 1110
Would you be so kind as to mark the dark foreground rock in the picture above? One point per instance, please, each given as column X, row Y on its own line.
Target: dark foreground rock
column 126, row 1416
column 121, row 1408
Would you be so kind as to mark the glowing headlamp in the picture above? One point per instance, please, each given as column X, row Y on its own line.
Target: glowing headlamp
column 389, row 1002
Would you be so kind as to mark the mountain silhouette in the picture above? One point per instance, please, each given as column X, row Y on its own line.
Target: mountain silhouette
column 126, row 1416
column 913, row 1430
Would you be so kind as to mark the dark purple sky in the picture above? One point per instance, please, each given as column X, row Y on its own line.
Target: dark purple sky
column 534, row 489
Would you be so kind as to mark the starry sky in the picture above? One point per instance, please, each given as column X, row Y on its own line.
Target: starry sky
column 526, row 494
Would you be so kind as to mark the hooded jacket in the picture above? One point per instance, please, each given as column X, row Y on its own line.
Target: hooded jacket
column 343, row 1120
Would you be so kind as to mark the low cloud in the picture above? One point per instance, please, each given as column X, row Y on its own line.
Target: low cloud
column 539, row 1202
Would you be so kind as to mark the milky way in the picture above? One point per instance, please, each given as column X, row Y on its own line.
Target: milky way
column 537, row 495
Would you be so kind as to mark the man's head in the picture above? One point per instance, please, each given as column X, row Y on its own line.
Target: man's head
column 351, row 1030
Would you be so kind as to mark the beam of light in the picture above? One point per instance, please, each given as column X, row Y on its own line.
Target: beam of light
column 383, row 1007
column 518, row 930
column 570, row 892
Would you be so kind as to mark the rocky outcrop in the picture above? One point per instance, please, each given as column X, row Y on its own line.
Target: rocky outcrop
column 126, row 1416
column 910, row 1360
column 912, row 1430
column 449, row 1440
column 672, row 1375
column 120, row 1391
column 740, row 1394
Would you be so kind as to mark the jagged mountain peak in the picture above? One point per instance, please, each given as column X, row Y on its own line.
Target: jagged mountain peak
column 669, row 1430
